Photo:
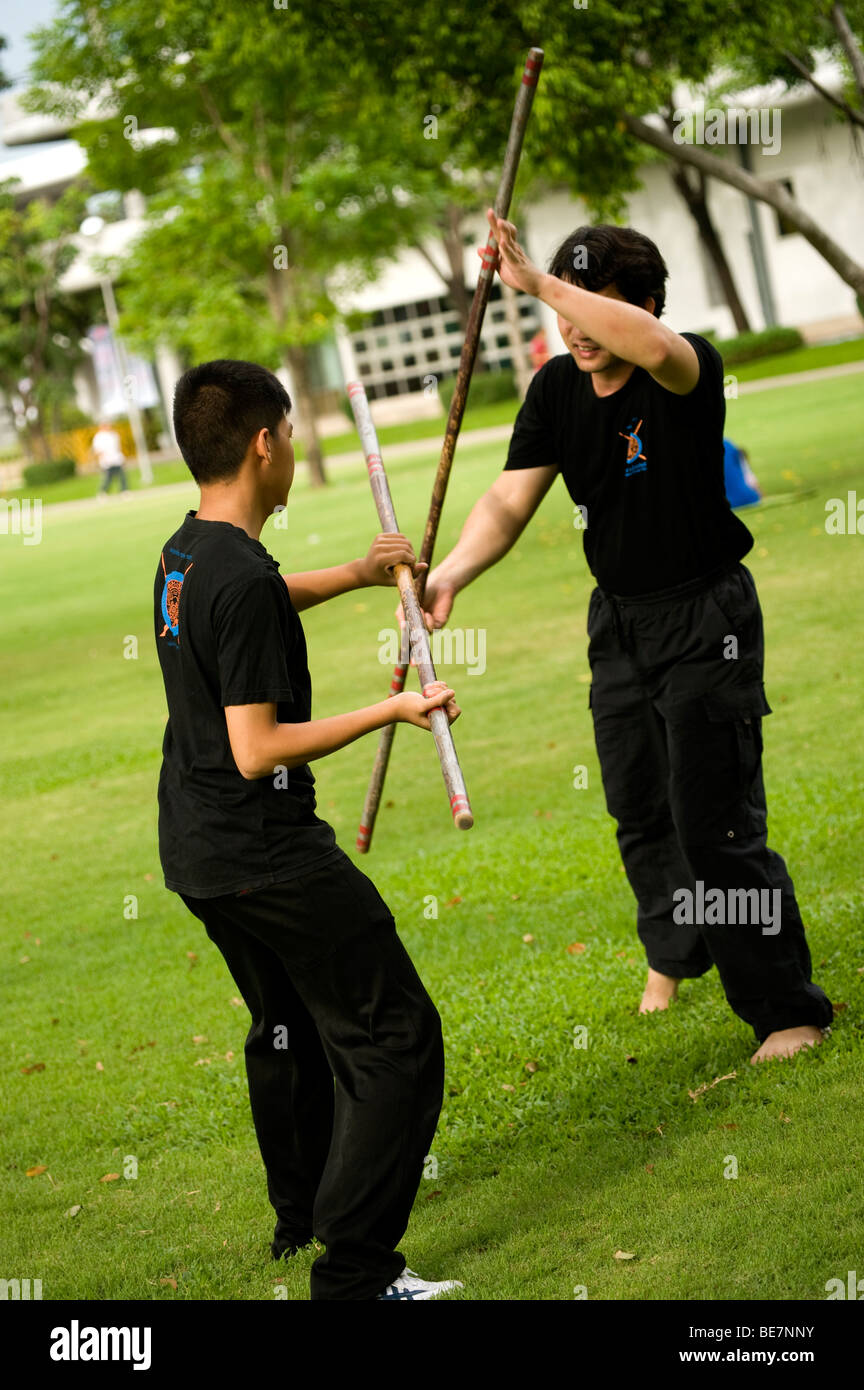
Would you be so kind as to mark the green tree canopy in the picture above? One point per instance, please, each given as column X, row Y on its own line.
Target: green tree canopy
column 266, row 166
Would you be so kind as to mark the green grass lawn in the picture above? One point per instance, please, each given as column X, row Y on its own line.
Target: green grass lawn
column 123, row 1039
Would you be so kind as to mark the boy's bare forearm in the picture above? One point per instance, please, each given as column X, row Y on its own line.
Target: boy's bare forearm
column 316, row 586
column 293, row 745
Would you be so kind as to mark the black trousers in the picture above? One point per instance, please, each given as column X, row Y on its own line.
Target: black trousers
column 677, row 701
column 345, row 1063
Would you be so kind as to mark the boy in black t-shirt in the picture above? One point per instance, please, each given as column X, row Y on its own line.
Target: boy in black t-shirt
column 632, row 417
column 309, row 941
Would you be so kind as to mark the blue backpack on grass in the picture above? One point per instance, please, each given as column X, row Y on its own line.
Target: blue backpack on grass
column 742, row 489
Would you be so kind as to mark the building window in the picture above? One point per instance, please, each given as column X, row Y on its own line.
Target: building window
column 390, row 344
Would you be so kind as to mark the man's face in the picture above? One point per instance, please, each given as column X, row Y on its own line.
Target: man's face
column 584, row 351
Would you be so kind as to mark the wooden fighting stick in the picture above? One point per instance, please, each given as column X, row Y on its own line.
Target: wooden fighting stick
column 521, row 112
column 418, row 636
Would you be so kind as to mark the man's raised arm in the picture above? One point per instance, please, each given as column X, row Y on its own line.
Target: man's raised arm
column 627, row 330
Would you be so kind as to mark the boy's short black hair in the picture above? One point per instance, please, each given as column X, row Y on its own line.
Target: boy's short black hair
column 594, row 257
column 218, row 408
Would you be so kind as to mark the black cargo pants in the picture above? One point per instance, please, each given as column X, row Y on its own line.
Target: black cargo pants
column 345, row 1064
column 677, row 701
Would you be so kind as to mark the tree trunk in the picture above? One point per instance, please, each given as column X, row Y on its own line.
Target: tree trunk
column 295, row 360
column 695, row 197
column 294, row 357
column 764, row 190
column 521, row 367
column 37, row 437
column 855, row 118
column 455, row 251
column 850, row 46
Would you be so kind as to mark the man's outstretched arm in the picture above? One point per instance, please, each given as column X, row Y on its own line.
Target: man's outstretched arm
column 494, row 524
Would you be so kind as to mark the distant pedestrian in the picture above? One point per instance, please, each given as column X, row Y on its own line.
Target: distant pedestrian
column 109, row 455
column 539, row 350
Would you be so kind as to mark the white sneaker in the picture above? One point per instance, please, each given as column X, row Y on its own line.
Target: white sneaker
column 410, row 1285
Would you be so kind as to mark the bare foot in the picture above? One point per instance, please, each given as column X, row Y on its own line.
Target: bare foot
column 660, row 990
column 787, row 1041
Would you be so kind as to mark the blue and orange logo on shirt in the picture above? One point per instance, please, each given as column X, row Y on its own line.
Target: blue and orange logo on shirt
column 171, row 598
column 636, row 461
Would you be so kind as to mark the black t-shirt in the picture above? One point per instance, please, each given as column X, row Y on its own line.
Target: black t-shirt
column 646, row 465
column 227, row 633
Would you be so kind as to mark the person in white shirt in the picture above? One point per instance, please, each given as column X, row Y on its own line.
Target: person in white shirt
column 109, row 455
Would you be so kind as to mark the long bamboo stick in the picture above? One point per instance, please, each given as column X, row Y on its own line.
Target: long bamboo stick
column 418, row 636
column 521, row 112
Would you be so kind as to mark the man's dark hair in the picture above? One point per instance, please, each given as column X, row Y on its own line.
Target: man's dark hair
column 218, row 408
column 594, row 257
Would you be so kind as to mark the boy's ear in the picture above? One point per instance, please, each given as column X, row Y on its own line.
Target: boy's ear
column 264, row 438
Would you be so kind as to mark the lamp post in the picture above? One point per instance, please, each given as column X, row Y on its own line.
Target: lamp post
column 91, row 227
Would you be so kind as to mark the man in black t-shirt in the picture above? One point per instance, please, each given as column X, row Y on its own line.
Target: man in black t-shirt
column 632, row 418
column 309, row 941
